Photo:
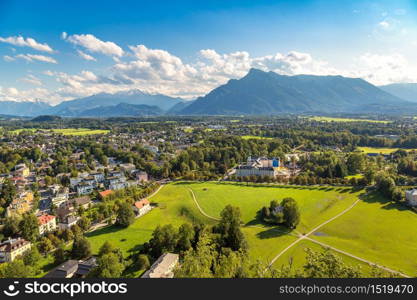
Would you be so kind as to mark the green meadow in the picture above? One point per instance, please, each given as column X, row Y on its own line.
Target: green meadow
column 374, row 229
column 331, row 119
column 66, row 131
column 379, row 150
column 254, row 137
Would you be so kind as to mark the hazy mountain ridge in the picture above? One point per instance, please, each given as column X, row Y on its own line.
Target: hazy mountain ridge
column 123, row 110
column 406, row 91
column 266, row 93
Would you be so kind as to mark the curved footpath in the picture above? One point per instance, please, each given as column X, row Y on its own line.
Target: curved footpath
column 306, row 237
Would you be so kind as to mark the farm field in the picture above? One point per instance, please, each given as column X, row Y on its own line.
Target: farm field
column 254, row 137
column 331, row 119
column 379, row 150
column 66, row 131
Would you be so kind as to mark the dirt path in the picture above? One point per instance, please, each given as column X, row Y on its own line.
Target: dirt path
column 358, row 258
column 199, row 208
column 302, row 237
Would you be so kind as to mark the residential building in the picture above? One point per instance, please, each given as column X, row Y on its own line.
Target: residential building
column 84, row 188
column 163, row 267
column 21, row 170
column 411, row 197
column 73, row 269
column 13, row 248
column 105, row 193
column 47, row 223
column 142, row 176
column 21, row 204
column 68, row 222
column 142, row 207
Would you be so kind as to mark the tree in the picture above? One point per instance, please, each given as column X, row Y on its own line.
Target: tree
column 32, row 257
column 143, row 262
column 185, row 237
column 11, row 226
column 16, row 269
column 291, row 212
column 45, row 245
column 164, row 239
column 84, row 223
column 60, row 255
column 229, row 229
column 108, row 266
column 125, row 215
column 81, row 248
column 29, row 227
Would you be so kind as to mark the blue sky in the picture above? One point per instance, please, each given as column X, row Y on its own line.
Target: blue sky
column 59, row 50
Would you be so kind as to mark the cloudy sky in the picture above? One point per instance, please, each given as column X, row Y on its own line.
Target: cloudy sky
column 58, row 50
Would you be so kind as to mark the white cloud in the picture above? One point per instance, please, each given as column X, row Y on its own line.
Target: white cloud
column 32, row 80
column 8, row 58
column 35, row 57
column 85, row 56
column 35, row 94
column 384, row 24
column 28, row 42
column 93, row 44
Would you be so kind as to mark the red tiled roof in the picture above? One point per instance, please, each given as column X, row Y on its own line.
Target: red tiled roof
column 44, row 219
column 141, row 203
column 105, row 193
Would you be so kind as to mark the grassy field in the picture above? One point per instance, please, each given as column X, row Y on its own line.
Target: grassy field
column 331, row 119
column 254, row 137
column 380, row 150
column 66, row 131
column 175, row 206
column 317, row 204
column 376, row 230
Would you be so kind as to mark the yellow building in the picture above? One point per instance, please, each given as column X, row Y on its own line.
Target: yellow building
column 11, row 249
column 20, row 205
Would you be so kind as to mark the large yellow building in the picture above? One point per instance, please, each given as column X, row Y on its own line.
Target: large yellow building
column 21, row 204
column 11, row 249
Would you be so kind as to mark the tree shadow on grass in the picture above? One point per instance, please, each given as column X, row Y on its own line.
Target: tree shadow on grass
column 273, row 232
column 375, row 197
column 105, row 230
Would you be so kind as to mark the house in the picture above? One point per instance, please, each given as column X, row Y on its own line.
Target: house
column 68, row 222
column 98, row 177
column 84, row 188
column 21, row 204
column 13, row 248
column 73, row 269
column 411, row 197
column 128, row 168
column 83, row 202
column 163, row 267
column 47, row 223
column 115, row 174
column 141, row 176
column 21, row 170
column 142, row 207
column 105, row 193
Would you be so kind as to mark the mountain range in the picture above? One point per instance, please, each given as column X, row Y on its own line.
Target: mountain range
column 257, row 93
column 267, row 93
column 406, row 91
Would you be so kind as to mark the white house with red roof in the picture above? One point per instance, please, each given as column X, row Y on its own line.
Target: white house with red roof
column 142, row 207
column 47, row 223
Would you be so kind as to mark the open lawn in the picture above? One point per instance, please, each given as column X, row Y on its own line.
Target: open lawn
column 330, row 119
column 376, row 230
column 254, row 137
column 317, row 204
column 175, row 206
column 66, row 131
column 380, row 150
